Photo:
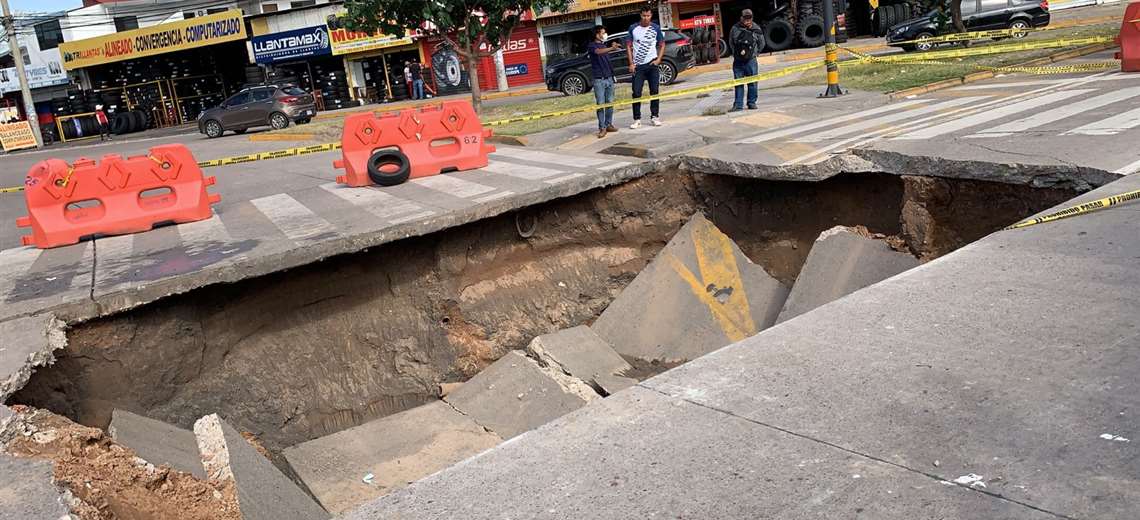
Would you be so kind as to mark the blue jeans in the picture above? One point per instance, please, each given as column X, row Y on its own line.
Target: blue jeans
column 604, row 93
column 418, row 89
column 651, row 73
column 743, row 70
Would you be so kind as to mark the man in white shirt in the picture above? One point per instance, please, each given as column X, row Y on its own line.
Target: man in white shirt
column 645, row 47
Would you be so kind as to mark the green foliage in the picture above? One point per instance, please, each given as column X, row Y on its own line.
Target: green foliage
column 473, row 22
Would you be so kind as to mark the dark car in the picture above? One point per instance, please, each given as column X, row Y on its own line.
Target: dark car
column 274, row 106
column 977, row 15
column 573, row 76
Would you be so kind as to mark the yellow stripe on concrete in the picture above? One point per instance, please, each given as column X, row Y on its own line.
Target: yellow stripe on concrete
column 717, row 265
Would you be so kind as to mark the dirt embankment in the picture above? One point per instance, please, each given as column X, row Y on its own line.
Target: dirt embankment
column 107, row 480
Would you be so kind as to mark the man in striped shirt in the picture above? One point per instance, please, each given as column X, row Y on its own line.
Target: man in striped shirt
column 646, row 46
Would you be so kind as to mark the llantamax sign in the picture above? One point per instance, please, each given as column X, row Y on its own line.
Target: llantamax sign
column 153, row 40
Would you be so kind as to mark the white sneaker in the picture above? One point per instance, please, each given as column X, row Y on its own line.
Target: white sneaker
column 656, row 121
column 636, row 124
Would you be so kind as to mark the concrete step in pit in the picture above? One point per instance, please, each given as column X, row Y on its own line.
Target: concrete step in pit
column 298, row 356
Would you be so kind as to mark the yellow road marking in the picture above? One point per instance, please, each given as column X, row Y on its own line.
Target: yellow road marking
column 719, row 271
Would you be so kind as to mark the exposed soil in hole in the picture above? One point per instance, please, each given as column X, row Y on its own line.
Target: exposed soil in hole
column 308, row 352
column 108, row 481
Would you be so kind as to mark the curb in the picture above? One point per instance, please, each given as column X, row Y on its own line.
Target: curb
column 516, row 140
column 978, row 76
column 281, row 137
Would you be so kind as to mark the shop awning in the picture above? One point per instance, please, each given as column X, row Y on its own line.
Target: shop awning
column 156, row 39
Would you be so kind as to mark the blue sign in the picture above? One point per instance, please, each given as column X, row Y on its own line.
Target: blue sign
column 290, row 45
column 518, row 69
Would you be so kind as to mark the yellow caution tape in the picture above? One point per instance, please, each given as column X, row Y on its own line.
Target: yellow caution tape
column 1081, row 209
column 985, row 50
column 994, row 33
column 930, row 58
column 763, row 76
column 275, row 154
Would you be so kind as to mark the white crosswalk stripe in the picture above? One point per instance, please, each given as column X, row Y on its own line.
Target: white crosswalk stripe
column 204, row 234
column 1059, row 113
column 522, row 171
column 1110, row 126
column 991, row 115
column 799, row 129
column 1129, row 168
column 293, row 218
column 890, row 118
column 453, row 186
column 383, row 205
column 552, row 158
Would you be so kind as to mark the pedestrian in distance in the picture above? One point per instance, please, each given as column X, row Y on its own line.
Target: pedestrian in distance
column 745, row 39
column 417, row 80
column 603, row 78
column 646, row 46
column 104, row 123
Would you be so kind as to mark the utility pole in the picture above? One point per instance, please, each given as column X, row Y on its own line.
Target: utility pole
column 25, row 91
column 831, row 52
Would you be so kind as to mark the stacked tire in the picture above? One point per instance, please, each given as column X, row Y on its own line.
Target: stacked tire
column 779, row 34
column 129, row 122
column 887, row 16
column 330, row 80
column 705, row 45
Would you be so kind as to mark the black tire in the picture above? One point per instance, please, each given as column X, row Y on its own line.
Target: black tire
column 278, row 121
column 810, row 31
column 901, row 13
column 389, row 167
column 573, row 84
column 922, row 46
column 214, row 129
column 724, row 50
column 668, row 72
column 138, row 121
column 778, row 33
column 121, row 124
column 888, row 17
column 1019, row 24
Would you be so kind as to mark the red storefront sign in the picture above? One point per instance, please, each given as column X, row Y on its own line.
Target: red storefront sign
column 698, row 21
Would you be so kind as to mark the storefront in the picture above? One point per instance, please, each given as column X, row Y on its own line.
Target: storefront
column 304, row 57
column 522, row 56
column 374, row 61
column 567, row 33
column 47, row 79
column 168, row 72
column 703, row 23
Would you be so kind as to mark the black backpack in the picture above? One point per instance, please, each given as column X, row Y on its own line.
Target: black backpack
column 744, row 45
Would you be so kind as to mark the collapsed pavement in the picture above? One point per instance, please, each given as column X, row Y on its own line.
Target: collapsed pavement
column 470, row 318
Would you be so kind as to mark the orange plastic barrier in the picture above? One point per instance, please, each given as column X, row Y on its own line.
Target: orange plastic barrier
column 393, row 147
column 1129, row 39
column 114, row 196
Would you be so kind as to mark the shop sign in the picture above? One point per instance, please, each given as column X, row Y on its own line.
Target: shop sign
column 517, row 69
column 42, row 67
column 289, row 45
column 17, row 136
column 579, row 6
column 548, row 19
column 698, row 21
column 156, row 39
column 345, row 41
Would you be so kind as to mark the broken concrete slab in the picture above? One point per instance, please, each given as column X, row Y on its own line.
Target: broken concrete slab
column 612, row 384
column 263, row 492
column 841, row 262
column 27, row 491
column 27, row 343
column 157, row 442
column 354, row 466
column 578, row 351
column 698, row 294
column 515, row 395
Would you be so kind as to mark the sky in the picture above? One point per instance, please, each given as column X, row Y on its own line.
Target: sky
column 44, row 5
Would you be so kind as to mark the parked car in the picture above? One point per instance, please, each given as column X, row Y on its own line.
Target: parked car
column 977, row 15
column 573, row 76
column 275, row 106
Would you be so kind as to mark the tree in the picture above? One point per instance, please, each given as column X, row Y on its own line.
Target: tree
column 475, row 28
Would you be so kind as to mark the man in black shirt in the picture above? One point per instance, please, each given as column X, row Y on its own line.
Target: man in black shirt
column 746, row 40
column 417, row 80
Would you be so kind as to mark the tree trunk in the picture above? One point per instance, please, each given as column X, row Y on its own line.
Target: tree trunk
column 473, row 75
column 956, row 15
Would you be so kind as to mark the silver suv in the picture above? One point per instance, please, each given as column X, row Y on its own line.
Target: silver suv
column 269, row 105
